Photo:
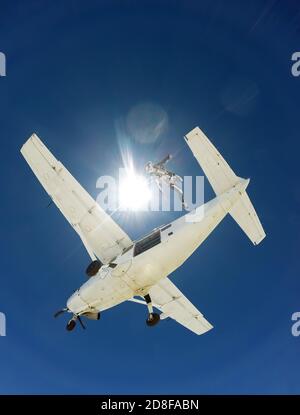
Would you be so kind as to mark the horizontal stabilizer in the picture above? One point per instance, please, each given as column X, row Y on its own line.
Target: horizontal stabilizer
column 245, row 216
column 222, row 178
column 216, row 169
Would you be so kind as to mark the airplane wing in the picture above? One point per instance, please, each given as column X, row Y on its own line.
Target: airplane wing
column 167, row 298
column 99, row 233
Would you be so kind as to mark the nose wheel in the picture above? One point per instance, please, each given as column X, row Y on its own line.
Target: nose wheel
column 153, row 318
column 71, row 325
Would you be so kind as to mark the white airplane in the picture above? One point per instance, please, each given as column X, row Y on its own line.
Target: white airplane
column 122, row 269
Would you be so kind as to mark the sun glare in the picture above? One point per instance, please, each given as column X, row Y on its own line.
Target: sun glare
column 134, row 192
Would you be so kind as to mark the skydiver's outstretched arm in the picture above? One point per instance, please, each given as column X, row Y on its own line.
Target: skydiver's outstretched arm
column 164, row 161
column 158, row 183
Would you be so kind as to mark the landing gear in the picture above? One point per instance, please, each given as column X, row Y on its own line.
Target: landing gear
column 72, row 323
column 93, row 268
column 153, row 318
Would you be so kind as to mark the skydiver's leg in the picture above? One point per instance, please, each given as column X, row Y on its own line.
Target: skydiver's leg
column 179, row 178
column 158, row 183
column 180, row 194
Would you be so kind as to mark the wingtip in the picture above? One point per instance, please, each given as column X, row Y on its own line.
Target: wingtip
column 258, row 241
column 32, row 138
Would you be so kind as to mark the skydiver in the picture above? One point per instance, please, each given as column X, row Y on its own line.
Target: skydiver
column 161, row 175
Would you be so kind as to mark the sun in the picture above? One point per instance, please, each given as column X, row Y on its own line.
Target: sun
column 134, row 191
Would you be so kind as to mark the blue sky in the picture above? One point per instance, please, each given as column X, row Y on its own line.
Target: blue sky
column 75, row 71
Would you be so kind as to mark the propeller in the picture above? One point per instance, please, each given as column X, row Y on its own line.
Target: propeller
column 59, row 312
column 71, row 323
column 81, row 323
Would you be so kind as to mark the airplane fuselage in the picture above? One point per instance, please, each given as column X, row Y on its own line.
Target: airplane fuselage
column 152, row 258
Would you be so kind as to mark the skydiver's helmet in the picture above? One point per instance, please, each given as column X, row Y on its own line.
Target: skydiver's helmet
column 149, row 167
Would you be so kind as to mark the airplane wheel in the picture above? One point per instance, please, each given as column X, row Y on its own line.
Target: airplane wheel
column 93, row 268
column 153, row 319
column 71, row 325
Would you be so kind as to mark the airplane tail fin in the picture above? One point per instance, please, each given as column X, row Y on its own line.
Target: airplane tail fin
column 222, row 178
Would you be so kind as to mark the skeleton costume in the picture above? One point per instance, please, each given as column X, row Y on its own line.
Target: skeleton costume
column 161, row 175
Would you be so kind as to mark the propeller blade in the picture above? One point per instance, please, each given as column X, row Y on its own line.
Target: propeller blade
column 81, row 323
column 58, row 313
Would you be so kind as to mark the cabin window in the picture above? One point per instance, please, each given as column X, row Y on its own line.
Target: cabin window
column 147, row 243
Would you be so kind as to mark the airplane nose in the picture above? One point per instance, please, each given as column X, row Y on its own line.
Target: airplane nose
column 76, row 304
